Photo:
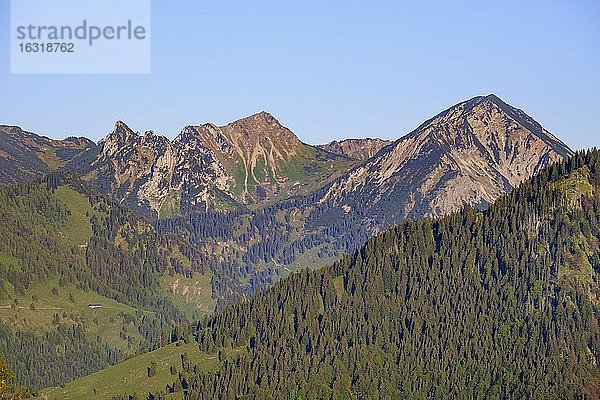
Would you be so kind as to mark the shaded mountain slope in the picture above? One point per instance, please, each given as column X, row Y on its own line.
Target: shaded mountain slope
column 26, row 156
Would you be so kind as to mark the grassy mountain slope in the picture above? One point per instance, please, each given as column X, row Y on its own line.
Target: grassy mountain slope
column 47, row 304
column 143, row 374
column 502, row 303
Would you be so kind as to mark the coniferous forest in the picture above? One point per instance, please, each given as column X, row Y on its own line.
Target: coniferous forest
column 500, row 303
column 42, row 239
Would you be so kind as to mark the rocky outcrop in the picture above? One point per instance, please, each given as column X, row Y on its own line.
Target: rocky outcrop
column 150, row 173
column 264, row 159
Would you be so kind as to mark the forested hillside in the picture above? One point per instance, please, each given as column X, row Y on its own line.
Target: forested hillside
column 249, row 250
column 63, row 248
column 500, row 303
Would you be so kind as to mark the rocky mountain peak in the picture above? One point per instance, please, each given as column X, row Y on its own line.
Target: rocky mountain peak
column 120, row 138
column 485, row 121
column 121, row 133
column 258, row 128
column 186, row 134
column 260, row 118
column 207, row 135
column 264, row 158
column 470, row 153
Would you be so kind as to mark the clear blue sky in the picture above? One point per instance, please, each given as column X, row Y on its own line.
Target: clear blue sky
column 330, row 70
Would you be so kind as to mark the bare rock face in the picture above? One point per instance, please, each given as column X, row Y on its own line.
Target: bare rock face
column 359, row 149
column 150, row 173
column 26, row 156
column 252, row 160
column 469, row 154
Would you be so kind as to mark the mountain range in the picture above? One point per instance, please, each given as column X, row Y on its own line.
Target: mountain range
column 275, row 204
column 468, row 154
column 253, row 160
column 220, row 213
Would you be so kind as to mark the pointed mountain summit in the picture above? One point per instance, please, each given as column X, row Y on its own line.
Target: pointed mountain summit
column 120, row 137
column 470, row 153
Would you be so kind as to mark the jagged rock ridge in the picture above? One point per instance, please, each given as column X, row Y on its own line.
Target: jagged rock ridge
column 252, row 160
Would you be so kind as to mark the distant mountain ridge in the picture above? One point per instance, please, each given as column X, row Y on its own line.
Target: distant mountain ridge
column 469, row 153
column 259, row 204
column 25, row 156
column 360, row 149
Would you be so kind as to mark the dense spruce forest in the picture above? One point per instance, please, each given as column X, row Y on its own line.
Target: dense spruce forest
column 57, row 233
column 501, row 303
